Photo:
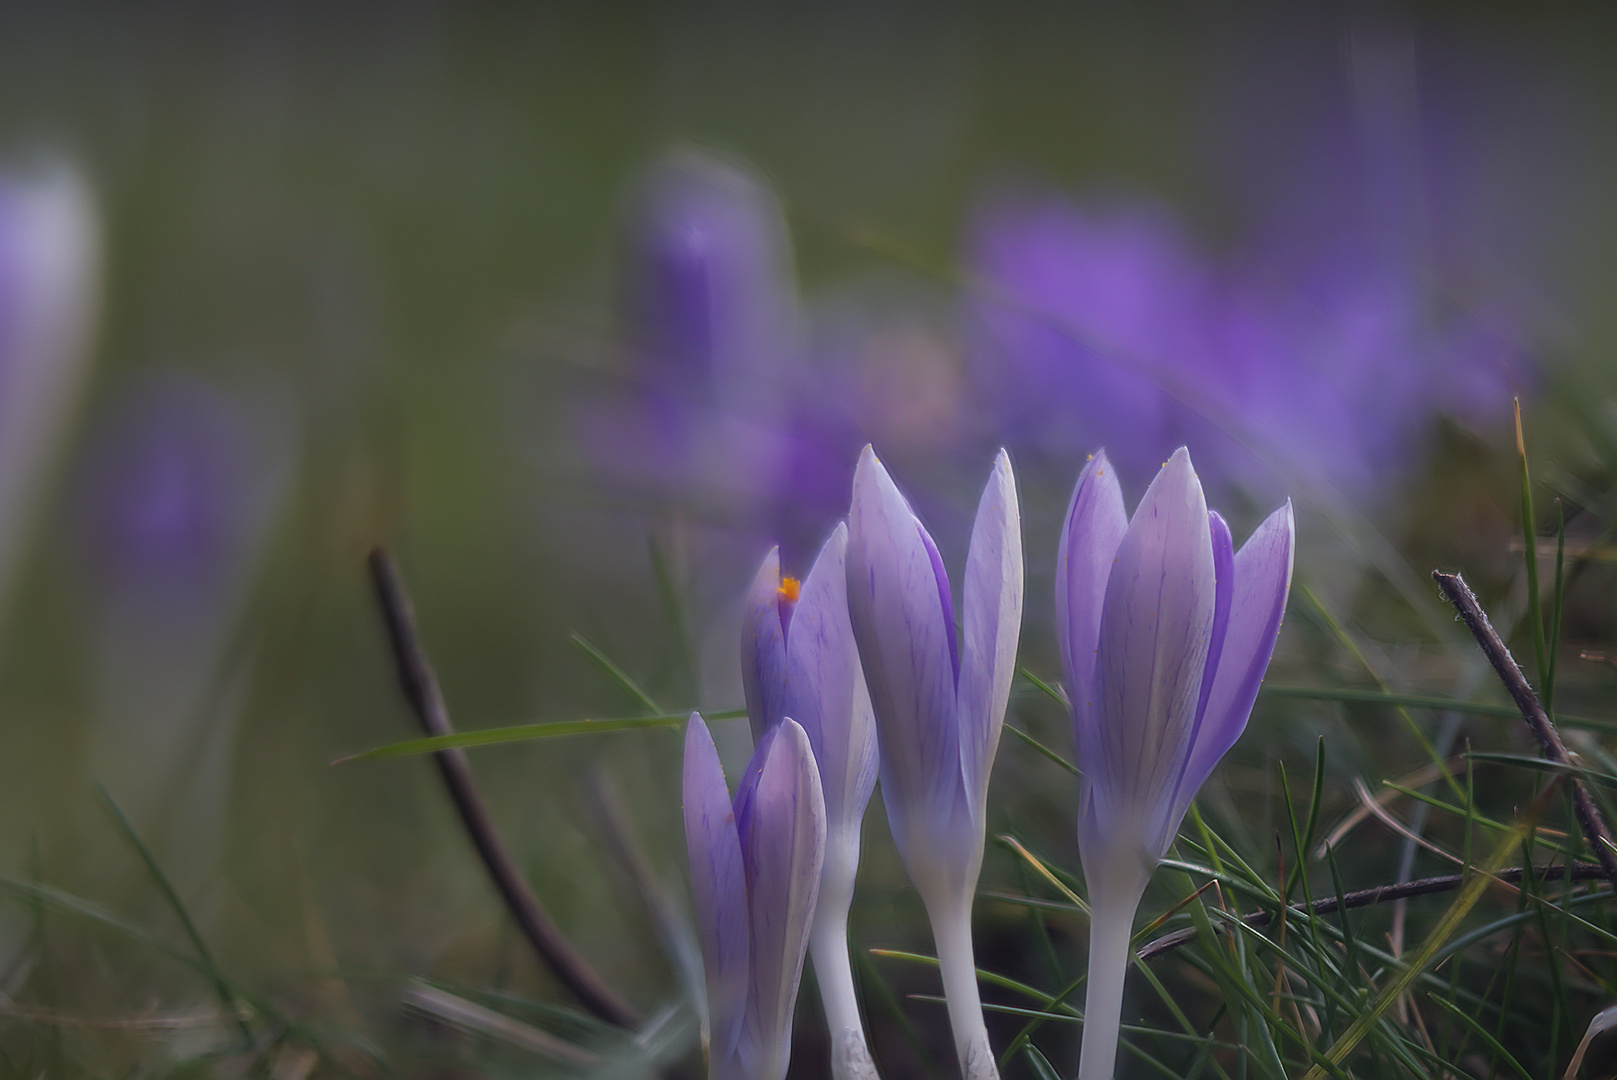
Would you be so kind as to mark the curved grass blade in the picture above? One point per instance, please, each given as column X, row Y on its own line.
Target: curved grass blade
column 527, row 732
column 613, row 671
column 1469, row 894
column 229, row 1004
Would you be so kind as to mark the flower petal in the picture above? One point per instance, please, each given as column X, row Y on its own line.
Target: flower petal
column 992, row 620
column 906, row 647
column 718, row 887
column 1223, row 589
column 763, row 649
column 1155, row 625
column 1096, row 523
column 783, row 846
column 1262, row 579
column 825, row 688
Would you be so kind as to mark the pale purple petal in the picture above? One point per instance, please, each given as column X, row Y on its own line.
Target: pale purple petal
column 1155, row 626
column 763, row 649
column 905, row 645
column 49, row 288
column 707, row 280
column 718, row 887
column 1262, row 578
column 1096, row 523
column 992, row 610
column 945, row 599
column 1223, row 589
column 783, row 846
column 825, row 687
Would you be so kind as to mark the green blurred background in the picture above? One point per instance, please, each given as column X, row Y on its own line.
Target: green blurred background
column 392, row 229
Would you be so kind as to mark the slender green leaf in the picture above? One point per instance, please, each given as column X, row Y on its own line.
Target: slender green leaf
column 526, row 732
column 613, row 672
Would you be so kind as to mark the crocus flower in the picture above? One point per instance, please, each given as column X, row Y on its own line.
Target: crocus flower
column 177, row 493
column 1165, row 632
column 1323, row 370
column 755, row 872
column 798, row 660
column 710, row 340
column 939, row 703
column 1086, row 318
column 49, row 280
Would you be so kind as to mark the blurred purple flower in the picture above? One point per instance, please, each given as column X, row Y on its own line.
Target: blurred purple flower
column 939, row 703
column 1107, row 326
column 798, row 660
column 49, row 285
column 711, row 328
column 177, row 490
column 755, row 873
column 1390, row 203
column 1165, row 632
column 1082, row 323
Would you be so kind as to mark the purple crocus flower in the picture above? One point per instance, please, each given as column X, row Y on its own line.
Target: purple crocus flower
column 49, row 270
column 755, row 873
column 939, row 703
column 1108, row 320
column 798, row 660
column 1165, row 631
column 710, row 328
column 177, row 495
column 1089, row 319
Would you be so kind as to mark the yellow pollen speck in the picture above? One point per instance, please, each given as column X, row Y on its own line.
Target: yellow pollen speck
column 789, row 588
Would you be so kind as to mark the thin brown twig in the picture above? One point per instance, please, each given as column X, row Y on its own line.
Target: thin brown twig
column 426, row 700
column 1594, row 826
column 1379, row 894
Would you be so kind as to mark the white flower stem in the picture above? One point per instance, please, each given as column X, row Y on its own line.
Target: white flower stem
column 1111, row 920
column 951, row 932
column 828, row 949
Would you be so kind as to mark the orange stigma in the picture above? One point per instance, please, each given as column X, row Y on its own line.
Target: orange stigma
column 789, row 588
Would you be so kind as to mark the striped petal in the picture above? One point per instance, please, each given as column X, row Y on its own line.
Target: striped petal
column 1155, row 627
column 782, row 836
column 903, row 625
column 763, row 649
column 1262, row 580
column 825, row 688
column 718, row 888
column 1096, row 523
column 992, row 620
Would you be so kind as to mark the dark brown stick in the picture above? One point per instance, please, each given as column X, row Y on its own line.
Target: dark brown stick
column 1464, row 600
column 1379, row 894
column 420, row 687
column 1594, row 826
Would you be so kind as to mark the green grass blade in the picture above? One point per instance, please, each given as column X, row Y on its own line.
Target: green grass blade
column 1446, row 926
column 1535, row 610
column 1048, row 690
column 1557, row 600
column 228, row 1002
column 1042, row 749
column 525, row 732
column 1495, row 1048
column 613, row 672
column 668, row 593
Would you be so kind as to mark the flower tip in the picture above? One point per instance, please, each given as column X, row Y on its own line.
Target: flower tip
column 795, row 739
column 695, row 724
column 1179, row 471
column 868, row 471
